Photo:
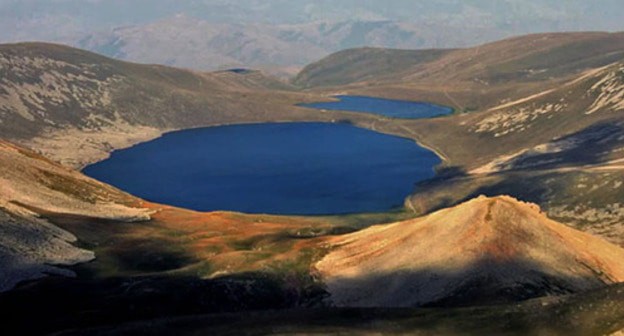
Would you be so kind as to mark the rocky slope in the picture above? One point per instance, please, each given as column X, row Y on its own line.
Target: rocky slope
column 31, row 247
column 488, row 250
column 567, row 140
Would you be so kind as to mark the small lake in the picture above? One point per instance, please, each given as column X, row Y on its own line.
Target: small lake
column 386, row 107
column 274, row 168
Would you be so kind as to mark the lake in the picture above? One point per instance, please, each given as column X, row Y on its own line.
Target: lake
column 274, row 168
column 386, row 107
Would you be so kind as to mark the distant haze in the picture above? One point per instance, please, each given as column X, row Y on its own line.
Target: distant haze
column 278, row 34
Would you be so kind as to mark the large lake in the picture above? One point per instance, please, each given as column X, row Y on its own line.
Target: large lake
column 386, row 107
column 289, row 168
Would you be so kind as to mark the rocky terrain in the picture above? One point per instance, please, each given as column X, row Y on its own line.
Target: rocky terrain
column 30, row 246
column 486, row 251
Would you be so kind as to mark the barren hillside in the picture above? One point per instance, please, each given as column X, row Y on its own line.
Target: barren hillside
column 488, row 250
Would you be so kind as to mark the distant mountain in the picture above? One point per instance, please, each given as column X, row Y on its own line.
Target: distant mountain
column 185, row 41
column 208, row 35
column 485, row 251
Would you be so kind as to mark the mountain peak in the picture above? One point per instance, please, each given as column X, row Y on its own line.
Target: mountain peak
column 487, row 250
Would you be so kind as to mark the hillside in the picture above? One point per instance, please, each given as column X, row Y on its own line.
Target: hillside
column 542, row 108
column 76, row 106
column 566, row 141
column 211, row 263
column 485, row 251
column 31, row 247
column 78, row 253
column 499, row 71
column 358, row 65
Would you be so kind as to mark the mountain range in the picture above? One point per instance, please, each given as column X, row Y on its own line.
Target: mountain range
column 282, row 36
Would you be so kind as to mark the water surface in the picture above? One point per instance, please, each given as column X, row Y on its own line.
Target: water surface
column 386, row 107
column 290, row 168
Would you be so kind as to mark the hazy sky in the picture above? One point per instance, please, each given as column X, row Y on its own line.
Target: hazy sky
column 567, row 14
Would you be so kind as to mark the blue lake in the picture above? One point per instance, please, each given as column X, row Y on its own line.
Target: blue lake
column 386, row 107
column 275, row 168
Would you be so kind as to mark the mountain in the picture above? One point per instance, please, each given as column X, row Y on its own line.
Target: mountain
column 281, row 36
column 184, row 41
column 485, row 251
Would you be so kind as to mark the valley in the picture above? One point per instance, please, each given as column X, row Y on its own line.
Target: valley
column 536, row 128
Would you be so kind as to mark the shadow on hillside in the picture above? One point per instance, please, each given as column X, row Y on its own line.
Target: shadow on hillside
column 589, row 146
column 569, row 316
column 486, row 282
column 526, row 176
column 59, row 303
column 156, row 306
